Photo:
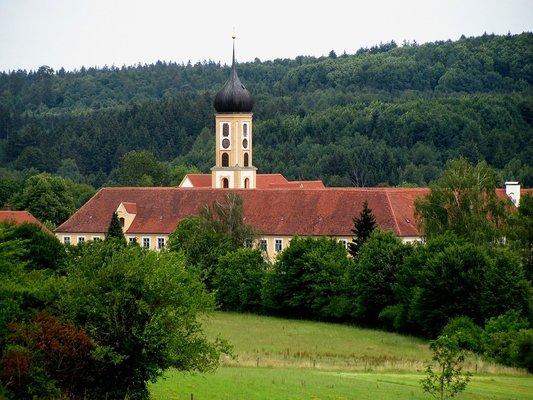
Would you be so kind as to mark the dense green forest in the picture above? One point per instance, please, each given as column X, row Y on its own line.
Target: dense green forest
column 386, row 115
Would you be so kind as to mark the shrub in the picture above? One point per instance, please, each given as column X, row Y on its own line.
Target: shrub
column 238, row 279
column 60, row 351
column 523, row 350
column 372, row 277
column 465, row 332
column 502, row 337
column 307, row 279
column 42, row 249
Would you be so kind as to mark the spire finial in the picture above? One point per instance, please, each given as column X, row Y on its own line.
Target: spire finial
column 233, row 36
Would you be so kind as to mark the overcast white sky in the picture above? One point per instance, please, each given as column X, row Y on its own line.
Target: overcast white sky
column 72, row 33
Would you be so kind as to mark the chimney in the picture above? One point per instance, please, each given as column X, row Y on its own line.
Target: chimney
column 512, row 190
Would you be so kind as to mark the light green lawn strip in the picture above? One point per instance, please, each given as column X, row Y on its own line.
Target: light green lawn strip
column 287, row 384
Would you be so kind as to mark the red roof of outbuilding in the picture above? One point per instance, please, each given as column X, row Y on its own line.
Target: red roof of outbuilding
column 263, row 181
column 199, row 180
column 21, row 217
column 305, row 212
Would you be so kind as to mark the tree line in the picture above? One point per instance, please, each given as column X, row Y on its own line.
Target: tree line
column 412, row 107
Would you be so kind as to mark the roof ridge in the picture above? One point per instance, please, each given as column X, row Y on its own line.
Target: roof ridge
column 393, row 214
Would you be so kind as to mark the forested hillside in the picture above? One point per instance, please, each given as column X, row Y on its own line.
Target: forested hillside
column 385, row 115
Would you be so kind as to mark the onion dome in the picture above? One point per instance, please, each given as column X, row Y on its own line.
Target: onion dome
column 233, row 97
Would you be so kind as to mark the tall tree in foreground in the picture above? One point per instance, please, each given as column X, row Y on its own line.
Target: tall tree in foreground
column 142, row 311
column 115, row 229
column 463, row 201
column 448, row 379
column 363, row 227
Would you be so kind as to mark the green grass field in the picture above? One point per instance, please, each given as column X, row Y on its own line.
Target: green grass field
column 288, row 359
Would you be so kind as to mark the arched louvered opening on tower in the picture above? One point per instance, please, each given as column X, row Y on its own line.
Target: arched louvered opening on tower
column 225, row 159
column 246, row 160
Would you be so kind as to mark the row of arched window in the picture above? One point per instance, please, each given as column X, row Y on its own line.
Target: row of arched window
column 225, row 160
column 225, row 183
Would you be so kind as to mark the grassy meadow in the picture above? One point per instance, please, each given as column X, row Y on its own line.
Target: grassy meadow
column 276, row 358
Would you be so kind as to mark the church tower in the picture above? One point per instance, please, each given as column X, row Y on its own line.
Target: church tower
column 233, row 134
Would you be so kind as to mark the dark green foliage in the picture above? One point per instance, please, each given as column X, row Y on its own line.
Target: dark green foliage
column 47, row 197
column 464, row 201
column 140, row 308
column 201, row 245
column 372, row 277
column 219, row 229
column 504, row 335
column 520, row 233
column 363, row 227
column 523, row 354
column 42, row 249
column 141, row 168
column 463, row 279
column 307, row 279
column 465, row 333
column 387, row 114
column 238, row 280
column 114, row 231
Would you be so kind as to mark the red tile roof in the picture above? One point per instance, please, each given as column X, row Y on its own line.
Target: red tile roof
column 298, row 185
column 286, row 212
column 306, row 212
column 263, row 181
column 199, row 180
column 21, row 217
column 131, row 208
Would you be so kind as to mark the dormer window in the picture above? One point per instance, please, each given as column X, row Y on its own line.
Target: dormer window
column 122, row 221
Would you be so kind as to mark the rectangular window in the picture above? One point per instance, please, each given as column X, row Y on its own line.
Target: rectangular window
column 146, row 242
column 160, row 242
column 132, row 240
column 278, row 245
column 66, row 239
column 247, row 243
column 344, row 243
column 263, row 245
column 96, row 238
column 81, row 239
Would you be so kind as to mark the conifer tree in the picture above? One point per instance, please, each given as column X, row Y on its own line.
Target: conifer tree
column 363, row 227
column 115, row 229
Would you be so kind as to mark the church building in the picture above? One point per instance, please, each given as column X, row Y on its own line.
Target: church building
column 278, row 209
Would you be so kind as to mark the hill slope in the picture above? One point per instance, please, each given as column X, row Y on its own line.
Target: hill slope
column 385, row 115
column 290, row 359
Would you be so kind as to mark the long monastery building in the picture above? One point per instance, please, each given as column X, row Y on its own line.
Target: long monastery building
column 277, row 208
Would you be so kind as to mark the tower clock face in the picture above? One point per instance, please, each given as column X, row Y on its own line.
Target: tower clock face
column 225, row 143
